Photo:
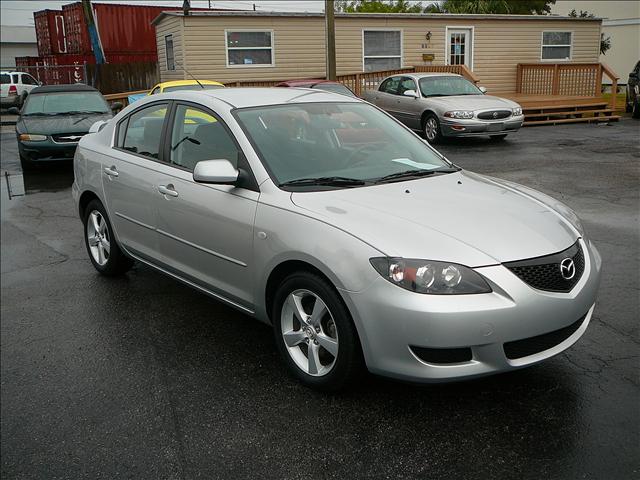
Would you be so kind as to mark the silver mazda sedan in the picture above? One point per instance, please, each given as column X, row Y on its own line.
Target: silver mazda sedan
column 328, row 219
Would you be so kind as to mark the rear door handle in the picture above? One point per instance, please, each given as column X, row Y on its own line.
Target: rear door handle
column 167, row 190
column 111, row 171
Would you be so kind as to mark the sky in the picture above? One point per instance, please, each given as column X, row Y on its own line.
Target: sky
column 20, row 12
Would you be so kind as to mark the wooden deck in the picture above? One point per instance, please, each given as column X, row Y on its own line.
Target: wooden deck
column 558, row 109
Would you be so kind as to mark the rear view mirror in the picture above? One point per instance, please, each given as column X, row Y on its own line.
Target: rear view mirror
column 410, row 93
column 482, row 89
column 220, row 172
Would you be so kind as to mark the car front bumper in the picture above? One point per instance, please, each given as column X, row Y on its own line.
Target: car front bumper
column 47, row 151
column 475, row 127
column 390, row 320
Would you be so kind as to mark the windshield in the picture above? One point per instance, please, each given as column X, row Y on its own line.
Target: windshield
column 352, row 141
column 335, row 88
column 191, row 87
column 60, row 103
column 445, row 86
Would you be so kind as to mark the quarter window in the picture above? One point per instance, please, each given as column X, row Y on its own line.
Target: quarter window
column 198, row 135
column 249, row 48
column 382, row 49
column 168, row 45
column 556, row 45
column 144, row 131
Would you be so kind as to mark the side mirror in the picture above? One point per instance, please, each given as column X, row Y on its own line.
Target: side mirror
column 220, row 172
column 39, row 84
column 14, row 111
column 482, row 89
column 116, row 107
column 410, row 93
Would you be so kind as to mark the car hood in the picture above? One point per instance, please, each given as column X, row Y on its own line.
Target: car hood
column 473, row 102
column 48, row 125
column 460, row 217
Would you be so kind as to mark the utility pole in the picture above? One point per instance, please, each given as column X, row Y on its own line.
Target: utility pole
column 330, row 35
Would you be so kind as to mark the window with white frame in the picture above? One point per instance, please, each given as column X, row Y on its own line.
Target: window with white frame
column 249, row 48
column 556, row 45
column 382, row 49
column 168, row 46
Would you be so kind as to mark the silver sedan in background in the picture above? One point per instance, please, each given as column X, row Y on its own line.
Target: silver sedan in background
column 358, row 242
column 446, row 105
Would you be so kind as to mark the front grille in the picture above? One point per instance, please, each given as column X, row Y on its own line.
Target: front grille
column 540, row 343
column 67, row 137
column 494, row 114
column 442, row 355
column 544, row 273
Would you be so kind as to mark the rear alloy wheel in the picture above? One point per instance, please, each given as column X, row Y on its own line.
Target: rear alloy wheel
column 432, row 129
column 314, row 332
column 104, row 252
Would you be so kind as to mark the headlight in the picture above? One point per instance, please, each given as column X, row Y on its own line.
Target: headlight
column 427, row 276
column 27, row 137
column 516, row 112
column 459, row 114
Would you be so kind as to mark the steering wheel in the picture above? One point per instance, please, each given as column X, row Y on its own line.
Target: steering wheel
column 358, row 151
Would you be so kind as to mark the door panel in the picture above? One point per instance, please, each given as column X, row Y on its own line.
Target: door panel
column 408, row 108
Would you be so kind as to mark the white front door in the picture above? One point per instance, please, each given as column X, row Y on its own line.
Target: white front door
column 459, row 47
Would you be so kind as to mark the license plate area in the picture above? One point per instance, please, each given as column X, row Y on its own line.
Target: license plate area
column 495, row 127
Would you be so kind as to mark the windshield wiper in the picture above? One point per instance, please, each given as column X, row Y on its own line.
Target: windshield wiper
column 436, row 95
column 330, row 181
column 81, row 112
column 39, row 114
column 413, row 174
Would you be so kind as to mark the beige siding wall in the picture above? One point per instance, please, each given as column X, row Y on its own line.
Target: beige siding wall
column 300, row 53
column 170, row 26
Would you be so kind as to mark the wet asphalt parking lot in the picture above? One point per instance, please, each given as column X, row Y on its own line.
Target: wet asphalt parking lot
column 141, row 377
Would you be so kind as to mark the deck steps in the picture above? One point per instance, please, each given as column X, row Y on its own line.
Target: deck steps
column 556, row 121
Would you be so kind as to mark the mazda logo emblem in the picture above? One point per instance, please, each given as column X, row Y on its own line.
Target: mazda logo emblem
column 567, row 268
column 495, row 114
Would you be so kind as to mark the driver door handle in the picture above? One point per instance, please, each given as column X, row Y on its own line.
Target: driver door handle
column 167, row 190
column 111, row 171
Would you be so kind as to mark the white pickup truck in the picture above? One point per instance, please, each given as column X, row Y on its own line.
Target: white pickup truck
column 14, row 88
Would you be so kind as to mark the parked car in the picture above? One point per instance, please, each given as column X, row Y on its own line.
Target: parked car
column 633, row 92
column 318, row 84
column 446, row 105
column 14, row 88
column 179, row 85
column 53, row 120
column 378, row 251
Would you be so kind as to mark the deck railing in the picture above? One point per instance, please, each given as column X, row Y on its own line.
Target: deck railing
column 357, row 82
column 569, row 79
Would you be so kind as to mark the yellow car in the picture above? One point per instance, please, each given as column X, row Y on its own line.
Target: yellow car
column 175, row 85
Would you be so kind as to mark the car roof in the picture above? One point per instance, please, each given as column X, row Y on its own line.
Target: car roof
column 183, row 83
column 305, row 81
column 74, row 87
column 257, row 97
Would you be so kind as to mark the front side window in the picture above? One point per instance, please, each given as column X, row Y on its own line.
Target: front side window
column 556, row 45
column 144, row 131
column 198, row 135
column 249, row 48
column 406, row 84
column 443, row 86
column 64, row 103
column 168, row 45
column 352, row 141
column 382, row 50
column 28, row 79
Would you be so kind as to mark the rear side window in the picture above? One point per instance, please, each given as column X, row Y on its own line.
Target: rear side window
column 390, row 85
column 5, row 79
column 143, row 131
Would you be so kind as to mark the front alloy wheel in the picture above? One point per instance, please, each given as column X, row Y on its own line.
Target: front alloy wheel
column 432, row 129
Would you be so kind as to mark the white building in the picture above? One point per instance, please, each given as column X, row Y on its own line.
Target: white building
column 621, row 22
column 16, row 41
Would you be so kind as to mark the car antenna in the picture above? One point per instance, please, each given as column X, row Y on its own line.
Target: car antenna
column 189, row 73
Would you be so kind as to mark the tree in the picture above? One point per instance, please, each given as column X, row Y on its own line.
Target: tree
column 515, row 7
column 605, row 42
column 378, row 6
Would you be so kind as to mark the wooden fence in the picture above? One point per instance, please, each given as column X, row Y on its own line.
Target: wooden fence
column 568, row 79
column 112, row 78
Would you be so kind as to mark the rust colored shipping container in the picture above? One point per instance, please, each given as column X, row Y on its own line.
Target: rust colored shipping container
column 124, row 29
column 50, row 32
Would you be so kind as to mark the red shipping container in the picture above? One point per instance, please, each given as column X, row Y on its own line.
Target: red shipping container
column 50, row 32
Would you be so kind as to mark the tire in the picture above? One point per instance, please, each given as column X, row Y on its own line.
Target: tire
column 636, row 109
column 26, row 164
column 333, row 328
column 431, row 129
column 104, row 252
column 498, row 138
